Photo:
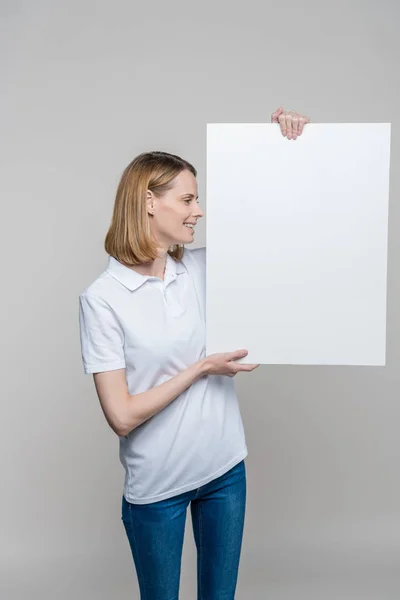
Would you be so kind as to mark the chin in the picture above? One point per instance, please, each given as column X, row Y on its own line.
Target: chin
column 183, row 242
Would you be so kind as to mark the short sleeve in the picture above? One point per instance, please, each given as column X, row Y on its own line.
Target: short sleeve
column 201, row 254
column 102, row 338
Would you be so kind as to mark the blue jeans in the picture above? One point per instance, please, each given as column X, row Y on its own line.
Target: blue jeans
column 156, row 531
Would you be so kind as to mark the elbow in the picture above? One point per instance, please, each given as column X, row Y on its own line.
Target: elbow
column 119, row 431
column 126, row 423
column 118, row 426
column 122, row 421
column 119, row 423
column 122, row 429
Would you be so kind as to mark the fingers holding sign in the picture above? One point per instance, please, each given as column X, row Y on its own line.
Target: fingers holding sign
column 291, row 122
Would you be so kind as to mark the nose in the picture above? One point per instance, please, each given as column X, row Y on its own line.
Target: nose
column 198, row 213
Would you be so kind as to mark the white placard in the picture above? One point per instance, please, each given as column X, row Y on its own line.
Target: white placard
column 297, row 242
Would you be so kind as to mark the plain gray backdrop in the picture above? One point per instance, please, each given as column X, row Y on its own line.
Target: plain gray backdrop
column 86, row 86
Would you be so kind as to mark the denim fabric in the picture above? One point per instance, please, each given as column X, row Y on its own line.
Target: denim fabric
column 156, row 532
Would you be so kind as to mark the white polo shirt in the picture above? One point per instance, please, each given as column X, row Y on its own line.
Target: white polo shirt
column 155, row 329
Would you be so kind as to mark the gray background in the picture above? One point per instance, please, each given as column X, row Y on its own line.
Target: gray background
column 86, row 86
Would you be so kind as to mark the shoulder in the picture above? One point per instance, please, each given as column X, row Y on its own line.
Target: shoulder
column 103, row 288
column 96, row 288
column 196, row 255
column 98, row 301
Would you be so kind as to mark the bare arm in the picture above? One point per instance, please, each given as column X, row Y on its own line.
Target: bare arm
column 124, row 411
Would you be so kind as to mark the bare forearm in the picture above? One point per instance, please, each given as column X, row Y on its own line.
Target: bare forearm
column 140, row 407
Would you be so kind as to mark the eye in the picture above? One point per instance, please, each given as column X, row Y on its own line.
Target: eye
column 188, row 200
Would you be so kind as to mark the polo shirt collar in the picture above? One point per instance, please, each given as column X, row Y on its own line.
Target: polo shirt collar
column 133, row 280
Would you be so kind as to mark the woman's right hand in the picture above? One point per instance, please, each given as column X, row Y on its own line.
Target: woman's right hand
column 224, row 363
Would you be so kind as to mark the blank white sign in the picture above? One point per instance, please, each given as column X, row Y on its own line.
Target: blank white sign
column 297, row 242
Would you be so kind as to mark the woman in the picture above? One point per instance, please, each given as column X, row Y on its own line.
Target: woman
column 175, row 409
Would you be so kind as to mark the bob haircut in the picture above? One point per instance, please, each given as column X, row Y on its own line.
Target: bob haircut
column 129, row 238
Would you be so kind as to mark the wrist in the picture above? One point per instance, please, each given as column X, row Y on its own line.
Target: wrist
column 203, row 367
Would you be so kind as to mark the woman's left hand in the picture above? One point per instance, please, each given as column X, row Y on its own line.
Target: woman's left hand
column 292, row 123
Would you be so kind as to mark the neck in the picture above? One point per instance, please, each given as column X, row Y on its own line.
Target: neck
column 156, row 268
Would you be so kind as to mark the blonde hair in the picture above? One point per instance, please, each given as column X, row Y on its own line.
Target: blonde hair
column 129, row 237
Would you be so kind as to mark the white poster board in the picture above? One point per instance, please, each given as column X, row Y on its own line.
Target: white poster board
column 297, row 242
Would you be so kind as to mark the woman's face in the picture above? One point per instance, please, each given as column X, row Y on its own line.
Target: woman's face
column 178, row 206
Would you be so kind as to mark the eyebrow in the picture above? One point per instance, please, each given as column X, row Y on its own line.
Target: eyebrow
column 190, row 196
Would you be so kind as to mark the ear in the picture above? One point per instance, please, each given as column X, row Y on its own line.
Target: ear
column 150, row 202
